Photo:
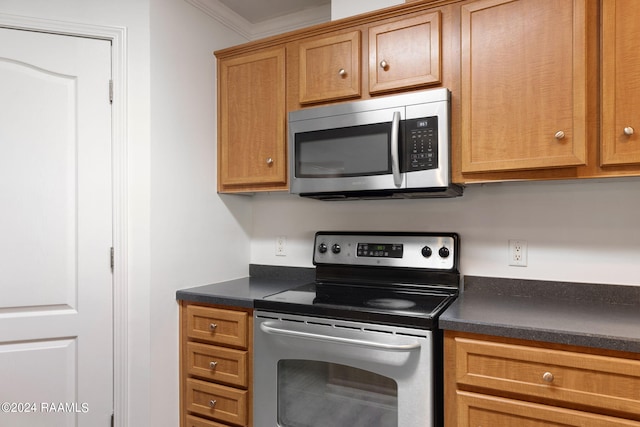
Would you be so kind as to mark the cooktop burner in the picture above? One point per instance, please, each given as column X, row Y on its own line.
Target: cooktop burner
column 403, row 279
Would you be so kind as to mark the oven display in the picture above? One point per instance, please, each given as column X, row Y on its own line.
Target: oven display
column 380, row 250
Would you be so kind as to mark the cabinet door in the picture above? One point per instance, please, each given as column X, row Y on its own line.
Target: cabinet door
column 620, row 82
column 523, row 84
column 482, row 410
column 330, row 68
column 405, row 53
column 251, row 117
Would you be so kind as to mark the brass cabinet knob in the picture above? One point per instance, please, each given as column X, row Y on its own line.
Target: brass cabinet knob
column 628, row 131
column 559, row 135
column 212, row 403
column 212, row 327
column 342, row 72
column 547, row 377
column 384, row 64
column 269, row 161
column 213, row 364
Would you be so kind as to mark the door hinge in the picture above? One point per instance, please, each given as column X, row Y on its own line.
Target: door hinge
column 110, row 91
column 112, row 262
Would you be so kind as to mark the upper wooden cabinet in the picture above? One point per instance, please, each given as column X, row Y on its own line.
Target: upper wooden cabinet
column 620, row 137
column 252, row 122
column 523, row 84
column 405, row 53
column 330, row 68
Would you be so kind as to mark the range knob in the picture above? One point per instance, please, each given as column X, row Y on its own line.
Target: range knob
column 335, row 248
column 426, row 252
column 444, row 252
column 322, row 248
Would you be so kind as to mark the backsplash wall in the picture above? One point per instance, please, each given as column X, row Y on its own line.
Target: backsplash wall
column 582, row 231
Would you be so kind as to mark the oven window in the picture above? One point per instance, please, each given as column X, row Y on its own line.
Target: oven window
column 352, row 151
column 321, row 394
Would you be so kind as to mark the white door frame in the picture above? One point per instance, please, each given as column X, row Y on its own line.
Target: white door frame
column 118, row 38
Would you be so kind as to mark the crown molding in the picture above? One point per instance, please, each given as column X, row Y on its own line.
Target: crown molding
column 270, row 27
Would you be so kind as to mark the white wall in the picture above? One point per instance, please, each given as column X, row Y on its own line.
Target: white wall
column 583, row 231
column 344, row 8
column 197, row 236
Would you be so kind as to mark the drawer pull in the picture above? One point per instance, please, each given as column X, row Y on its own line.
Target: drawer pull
column 628, row 131
column 213, row 365
column 212, row 327
column 559, row 135
column 212, row 403
column 547, row 377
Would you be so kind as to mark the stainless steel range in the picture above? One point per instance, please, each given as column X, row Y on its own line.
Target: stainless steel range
column 360, row 346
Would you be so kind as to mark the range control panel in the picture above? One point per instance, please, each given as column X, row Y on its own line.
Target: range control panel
column 437, row 251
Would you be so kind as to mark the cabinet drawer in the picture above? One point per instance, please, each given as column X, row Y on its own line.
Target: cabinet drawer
column 218, row 326
column 217, row 401
column 482, row 410
column 218, row 364
column 201, row 422
column 594, row 381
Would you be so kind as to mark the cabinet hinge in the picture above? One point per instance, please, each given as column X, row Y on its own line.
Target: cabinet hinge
column 110, row 91
column 112, row 259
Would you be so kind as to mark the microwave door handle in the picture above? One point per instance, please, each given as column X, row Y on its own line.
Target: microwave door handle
column 395, row 152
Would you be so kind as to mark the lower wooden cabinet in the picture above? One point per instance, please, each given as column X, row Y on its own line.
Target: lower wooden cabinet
column 491, row 381
column 482, row 410
column 215, row 366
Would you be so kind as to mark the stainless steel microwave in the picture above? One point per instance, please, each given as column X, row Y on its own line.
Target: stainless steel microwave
column 391, row 147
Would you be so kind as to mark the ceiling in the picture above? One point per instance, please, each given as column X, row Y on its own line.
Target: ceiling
column 256, row 11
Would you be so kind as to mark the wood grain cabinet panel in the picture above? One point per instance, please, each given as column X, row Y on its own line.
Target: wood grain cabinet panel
column 477, row 410
column 218, row 326
column 405, row 53
column 252, row 122
column 216, row 401
column 330, row 67
column 219, row 364
column 504, row 382
column 620, row 82
column 216, row 366
column 523, row 84
column 582, row 379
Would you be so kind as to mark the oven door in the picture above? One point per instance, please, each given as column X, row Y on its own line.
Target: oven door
column 313, row 372
column 348, row 152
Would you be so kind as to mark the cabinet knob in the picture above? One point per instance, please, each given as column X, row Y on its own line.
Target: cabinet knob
column 342, row 72
column 212, row 403
column 547, row 377
column 559, row 135
column 269, row 161
column 213, row 365
column 212, row 327
column 384, row 64
column 628, row 131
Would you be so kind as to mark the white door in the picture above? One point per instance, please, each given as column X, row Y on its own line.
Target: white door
column 56, row 361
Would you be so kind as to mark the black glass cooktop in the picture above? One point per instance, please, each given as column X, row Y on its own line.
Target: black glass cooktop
column 408, row 306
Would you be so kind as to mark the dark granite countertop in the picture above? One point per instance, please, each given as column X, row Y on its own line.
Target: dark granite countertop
column 590, row 315
column 263, row 280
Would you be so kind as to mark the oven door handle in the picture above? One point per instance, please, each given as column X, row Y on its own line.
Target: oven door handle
column 395, row 151
column 337, row 339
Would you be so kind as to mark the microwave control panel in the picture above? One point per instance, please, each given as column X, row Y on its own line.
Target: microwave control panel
column 421, row 141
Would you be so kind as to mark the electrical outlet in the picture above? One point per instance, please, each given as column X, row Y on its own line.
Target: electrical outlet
column 281, row 246
column 518, row 253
